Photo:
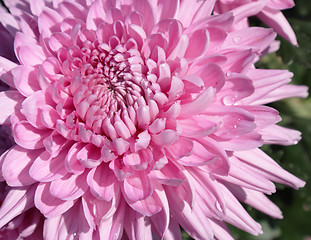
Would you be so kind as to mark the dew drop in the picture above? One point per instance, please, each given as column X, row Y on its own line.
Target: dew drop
column 237, row 39
column 228, row 74
column 229, row 100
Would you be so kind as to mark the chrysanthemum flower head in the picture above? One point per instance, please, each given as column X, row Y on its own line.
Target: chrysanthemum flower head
column 131, row 118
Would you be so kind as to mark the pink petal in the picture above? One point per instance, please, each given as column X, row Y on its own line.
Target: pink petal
column 5, row 71
column 16, row 165
column 138, row 161
column 48, row 116
column 165, row 138
column 281, row 4
column 195, row 107
column 137, row 187
column 72, row 164
column 95, row 15
column 113, row 227
column 246, row 10
column 262, row 81
column 143, row 140
column 145, row 9
column 10, row 102
column 187, row 218
column 245, row 142
column 17, row 201
column 220, row 229
column 96, row 210
column 168, row 9
column 173, row 232
column 120, row 145
column 237, row 216
column 26, row 79
column 177, row 88
column 199, row 156
column 30, row 54
column 254, row 37
column 54, row 143
column 269, row 168
column 69, row 187
column 182, row 148
column 62, row 226
column 31, row 107
column 137, row 226
column 279, row 135
column 89, row 156
column 170, row 175
column 49, row 205
column 255, row 199
column 148, row 206
column 221, row 164
column 49, row 20
column 72, row 10
column 264, row 116
column 238, row 61
column 9, row 22
column 196, row 12
column 217, row 37
column 102, row 182
column 161, row 220
column 283, row 92
column 138, row 34
column 198, row 44
column 180, row 49
column 59, row 40
column 251, row 180
column 275, row 19
column 46, row 168
column 36, row 7
column 212, row 75
column 28, row 136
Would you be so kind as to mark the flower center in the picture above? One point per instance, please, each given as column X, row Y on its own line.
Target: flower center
column 111, row 89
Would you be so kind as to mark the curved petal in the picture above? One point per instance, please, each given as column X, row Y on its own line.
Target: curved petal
column 69, row 187
column 28, row 136
column 26, row 79
column 10, row 102
column 46, row 168
column 5, row 74
column 102, row 182
column 17, row 201
column 16, row 165
column 49, row 205
column 137, row 187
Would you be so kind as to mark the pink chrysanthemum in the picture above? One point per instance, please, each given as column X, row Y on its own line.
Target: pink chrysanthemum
column 269, row 11
column 134, row 117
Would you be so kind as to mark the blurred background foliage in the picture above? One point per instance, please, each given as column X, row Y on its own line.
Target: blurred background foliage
column 296, row 114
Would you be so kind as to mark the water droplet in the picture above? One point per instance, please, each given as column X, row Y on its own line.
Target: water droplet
column 229, row 100
column 228, row 74
column 237, row 39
